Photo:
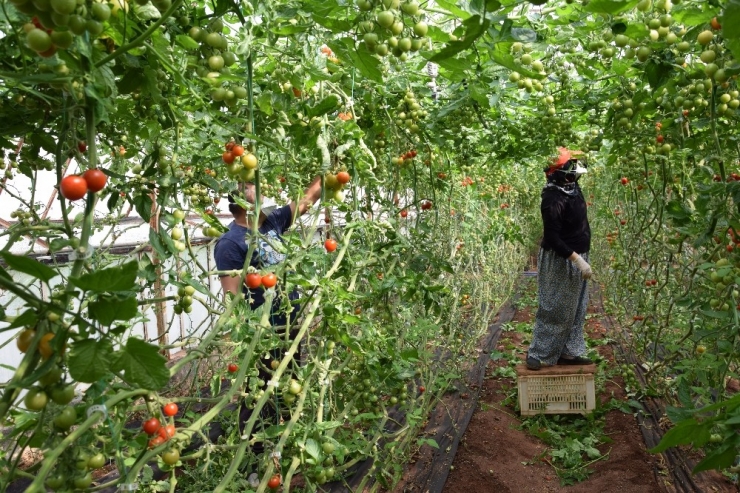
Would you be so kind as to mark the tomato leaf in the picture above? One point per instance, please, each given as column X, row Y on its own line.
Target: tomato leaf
column 108, row 309
column 25, row 319
column 730, row 21
column 324, row 106
column 187, row 42
column 142, row 364
column 89, row 360
column 452, row 8
column 475, row 27
column 684, row 433
column 693, row 16
column 313, row 449
column 143, row 205
column 29, row 266
column 609, row 6
column 361, row 58
column 112, row 279
column 719, row 459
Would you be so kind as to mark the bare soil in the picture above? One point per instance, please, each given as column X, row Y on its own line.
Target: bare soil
column 494, row 455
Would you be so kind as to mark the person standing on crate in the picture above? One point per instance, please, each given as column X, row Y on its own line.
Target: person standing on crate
column 563, row 268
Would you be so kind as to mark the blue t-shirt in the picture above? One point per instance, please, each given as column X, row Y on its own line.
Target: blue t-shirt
column 231, row 252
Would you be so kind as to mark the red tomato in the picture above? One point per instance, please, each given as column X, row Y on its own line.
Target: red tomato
column 330, row 245
column 404, row 213
column 426, row 205
column 624, row 180
column 659, row 139
column 151, row 426
column 228, row 157
column 269, row 280
column 170, row 409
column 233, row 368
column 274, row 482
column 95, row 179
column 167, row 432
column 237, row 150
column 73, row 187
column 715, row 24
column 156, row 442
column 422, row 389
column 253, row 280
column 343, row 177
column 82, row 146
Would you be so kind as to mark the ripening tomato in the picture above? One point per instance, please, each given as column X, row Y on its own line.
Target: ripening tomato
column 714, row 23
column 330, row 245
column 343, row 177
column 73, row 187
column 170, row 409
column 45, row 345
column 156, row 442
column 167, row 432
column 228, row 157
column 274, row 482
column 95, row 179
column 24, row 339
column 253, row 280
column 269, row 280
column 151, row 426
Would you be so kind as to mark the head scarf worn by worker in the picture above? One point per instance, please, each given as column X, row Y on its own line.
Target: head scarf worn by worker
column 565, row 171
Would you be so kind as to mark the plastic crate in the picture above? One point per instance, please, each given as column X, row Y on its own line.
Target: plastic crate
column 556, row 390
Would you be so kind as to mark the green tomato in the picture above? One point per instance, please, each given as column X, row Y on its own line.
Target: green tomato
column 35, row 399
column 62, row 394
column 101, row 11
column 96, row 461
column 171, row 456
column 54, row 481
column 82, row 482
column 66, row 418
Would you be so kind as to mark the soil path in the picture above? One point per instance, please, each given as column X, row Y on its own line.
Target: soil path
column 496, row 456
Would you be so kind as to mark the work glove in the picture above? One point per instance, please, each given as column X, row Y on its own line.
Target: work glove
column 582, row 265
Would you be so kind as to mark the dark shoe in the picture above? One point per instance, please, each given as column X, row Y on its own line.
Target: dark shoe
column 533, row 364
column 577, row 360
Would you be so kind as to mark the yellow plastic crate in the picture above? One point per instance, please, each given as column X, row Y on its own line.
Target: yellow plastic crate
column 556, row 390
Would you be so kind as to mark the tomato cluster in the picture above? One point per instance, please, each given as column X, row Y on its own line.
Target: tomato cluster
column 74, row 187
column 404, row 158
column 254, row 280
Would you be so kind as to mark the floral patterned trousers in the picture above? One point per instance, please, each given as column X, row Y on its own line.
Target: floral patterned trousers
column 563, row 298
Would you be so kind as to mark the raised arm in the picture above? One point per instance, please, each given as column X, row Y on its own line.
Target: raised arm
column 310, row 196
